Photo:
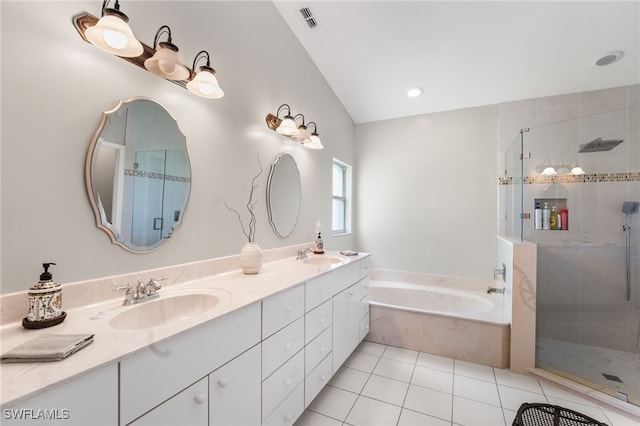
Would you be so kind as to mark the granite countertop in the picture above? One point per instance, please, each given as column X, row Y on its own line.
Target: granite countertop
column 234, row 289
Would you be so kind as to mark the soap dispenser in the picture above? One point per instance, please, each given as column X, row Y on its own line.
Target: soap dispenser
column 319, row 245
column 45, row 302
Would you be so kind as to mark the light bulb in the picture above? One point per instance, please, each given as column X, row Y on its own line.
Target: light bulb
column 115, row 39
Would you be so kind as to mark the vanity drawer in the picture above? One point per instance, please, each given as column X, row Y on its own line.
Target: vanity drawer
column 289, row 411
column 317, row 350
column 364, row 267
column 363, row 286
column 364, row 306
column 282, row 309
column 281, row 383
column 317, row 320
column 317, row 380
column 346, row 276
column 319, row 290
column 277, row 349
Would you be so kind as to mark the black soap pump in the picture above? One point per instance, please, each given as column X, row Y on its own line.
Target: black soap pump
column 319, row 245
column 45, row 302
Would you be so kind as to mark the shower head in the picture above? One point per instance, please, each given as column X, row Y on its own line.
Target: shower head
column 630, row 207
column 599, row 145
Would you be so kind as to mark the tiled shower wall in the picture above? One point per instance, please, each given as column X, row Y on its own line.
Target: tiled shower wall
column 581, row 289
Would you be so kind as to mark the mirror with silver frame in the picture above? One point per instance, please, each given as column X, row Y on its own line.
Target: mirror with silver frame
column 283, row 195
column 138, row 174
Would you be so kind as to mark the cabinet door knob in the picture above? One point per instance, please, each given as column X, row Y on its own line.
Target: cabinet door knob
column 287, row 382
column 350, row 293
column 323, row 378
column 288, row 417
column 289, row 308
column 223, row 383
column 323, row 319
column 322, row 349
column 287, row 346
column 200, row 399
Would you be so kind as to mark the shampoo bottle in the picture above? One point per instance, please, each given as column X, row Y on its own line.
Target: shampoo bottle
column 546, row 214
column 564, row 214
column 553, row 219
column 537, row 217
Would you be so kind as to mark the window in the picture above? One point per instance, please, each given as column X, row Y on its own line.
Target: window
column 341, row 223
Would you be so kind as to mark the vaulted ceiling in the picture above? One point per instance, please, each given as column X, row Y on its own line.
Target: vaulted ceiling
column 464, row 53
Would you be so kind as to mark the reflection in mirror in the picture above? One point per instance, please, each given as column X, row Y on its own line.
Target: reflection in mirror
column 283, row 195
column 138, row 174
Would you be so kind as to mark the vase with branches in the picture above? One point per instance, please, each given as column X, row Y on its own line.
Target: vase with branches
column 251, row 253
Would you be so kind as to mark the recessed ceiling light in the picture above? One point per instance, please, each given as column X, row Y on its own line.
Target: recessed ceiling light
column 610, row 58
column 415, row 92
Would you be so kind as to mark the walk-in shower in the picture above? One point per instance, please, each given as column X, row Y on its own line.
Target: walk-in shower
column 588, row 272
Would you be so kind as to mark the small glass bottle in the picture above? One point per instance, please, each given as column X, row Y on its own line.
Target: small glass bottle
column 553, row 219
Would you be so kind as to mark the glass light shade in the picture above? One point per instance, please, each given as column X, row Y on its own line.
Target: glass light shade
column 167, row 63
column 577, row 170
column 113, row 35
column 287, row 127
column 302, row 136
column 314, row 142
column 549, row 171
column 205, row 84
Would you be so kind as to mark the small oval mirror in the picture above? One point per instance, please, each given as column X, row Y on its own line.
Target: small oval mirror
column 138, row 174
column 283, row 195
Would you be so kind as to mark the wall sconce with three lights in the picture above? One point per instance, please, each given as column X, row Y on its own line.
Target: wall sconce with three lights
column 112, row 34
column 288, row 126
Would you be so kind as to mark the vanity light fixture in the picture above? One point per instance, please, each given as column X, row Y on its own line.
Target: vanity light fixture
column 415, row 92
column 167, row 61
column 112, row 33
column 288, row 127
column 204, row 83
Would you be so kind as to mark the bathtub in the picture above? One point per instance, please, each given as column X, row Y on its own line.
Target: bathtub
column 462, row 322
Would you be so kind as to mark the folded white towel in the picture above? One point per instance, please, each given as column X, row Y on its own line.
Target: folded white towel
column 47, row 347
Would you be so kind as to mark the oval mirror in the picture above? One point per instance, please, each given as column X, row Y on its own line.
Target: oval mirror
column 138, row 174
column 283, row 195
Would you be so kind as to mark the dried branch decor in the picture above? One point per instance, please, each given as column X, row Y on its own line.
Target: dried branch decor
column 250, row 230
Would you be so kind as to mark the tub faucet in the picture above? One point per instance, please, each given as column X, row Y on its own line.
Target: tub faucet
column 495, row 290
column 502, row 271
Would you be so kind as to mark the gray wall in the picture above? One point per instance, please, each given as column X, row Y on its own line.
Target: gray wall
column 426, row 192
column 55, row 87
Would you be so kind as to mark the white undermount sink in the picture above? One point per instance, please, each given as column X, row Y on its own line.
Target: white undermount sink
column 164, row 310
column 323, row 260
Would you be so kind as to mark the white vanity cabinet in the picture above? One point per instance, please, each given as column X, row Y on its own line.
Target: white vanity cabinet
column 91, row 399
column 155, row 374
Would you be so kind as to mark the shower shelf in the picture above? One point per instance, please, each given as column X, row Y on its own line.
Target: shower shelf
column 559, row 203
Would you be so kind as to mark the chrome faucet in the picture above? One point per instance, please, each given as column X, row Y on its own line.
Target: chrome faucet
column 502, row 271
column 495, row 290
column 302, row 253
column 141, row 293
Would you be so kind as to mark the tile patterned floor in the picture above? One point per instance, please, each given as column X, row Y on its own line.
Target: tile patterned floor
column 383, row 385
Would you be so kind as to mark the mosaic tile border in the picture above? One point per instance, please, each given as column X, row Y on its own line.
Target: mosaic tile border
column 586, row 178
column 160, row 176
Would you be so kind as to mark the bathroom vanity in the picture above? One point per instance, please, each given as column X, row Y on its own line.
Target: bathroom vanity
column 259, row 356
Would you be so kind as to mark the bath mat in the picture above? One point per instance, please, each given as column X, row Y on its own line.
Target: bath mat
column 551, row 415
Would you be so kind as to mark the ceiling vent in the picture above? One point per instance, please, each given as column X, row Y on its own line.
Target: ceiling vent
column 308, row 17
